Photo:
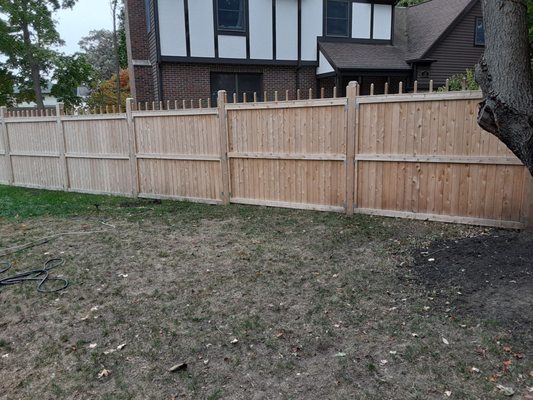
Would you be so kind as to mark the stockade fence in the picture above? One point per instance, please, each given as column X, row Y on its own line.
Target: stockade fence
column 418, row 155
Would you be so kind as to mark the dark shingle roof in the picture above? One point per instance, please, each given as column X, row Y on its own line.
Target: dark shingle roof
column 427, row 22
column 346, row 55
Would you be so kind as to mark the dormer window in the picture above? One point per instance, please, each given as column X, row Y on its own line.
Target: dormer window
column 338, row 18
column 231, row 15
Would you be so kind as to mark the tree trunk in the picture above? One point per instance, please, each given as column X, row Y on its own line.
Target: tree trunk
column 115, row 45
column 505, row 76
column 34, row 67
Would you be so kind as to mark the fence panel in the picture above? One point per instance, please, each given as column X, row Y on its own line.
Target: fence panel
column 178, row 155
column 35, row 153
column 428, row 158
column 97, row 154
column 288, row 154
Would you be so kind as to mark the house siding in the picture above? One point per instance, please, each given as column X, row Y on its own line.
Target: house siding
column 456, row 52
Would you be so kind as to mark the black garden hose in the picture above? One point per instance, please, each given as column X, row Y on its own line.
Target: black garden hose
column 41, row 275
column 38, row 275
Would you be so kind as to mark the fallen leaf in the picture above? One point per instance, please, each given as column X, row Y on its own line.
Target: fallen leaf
column 104, row 373
column 178, row 367
column 531, row 374
column 507, row 349
column 507, row 391
column 507, row 364
column 445, row 341
column 519, row 356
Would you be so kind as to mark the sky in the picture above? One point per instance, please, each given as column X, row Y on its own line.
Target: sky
column 86, row 15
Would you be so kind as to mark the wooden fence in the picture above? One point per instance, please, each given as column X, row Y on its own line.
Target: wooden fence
column 409, row 155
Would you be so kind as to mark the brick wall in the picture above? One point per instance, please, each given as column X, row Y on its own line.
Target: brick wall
column 144, row 84
column 193, row 81
column 136, row 30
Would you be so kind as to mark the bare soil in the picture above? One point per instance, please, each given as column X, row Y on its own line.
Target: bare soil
column 267, row 304
column 491, row 274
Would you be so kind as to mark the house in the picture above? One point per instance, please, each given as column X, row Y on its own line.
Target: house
column 190, row 49
column 49, row 100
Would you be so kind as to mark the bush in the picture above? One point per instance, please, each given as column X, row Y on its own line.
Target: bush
column 456, row 82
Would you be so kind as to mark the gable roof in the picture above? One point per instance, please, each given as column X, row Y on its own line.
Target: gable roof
column 429, row 21
column 357, row 56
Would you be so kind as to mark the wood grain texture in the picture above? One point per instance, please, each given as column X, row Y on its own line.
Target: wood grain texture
column 428, row 156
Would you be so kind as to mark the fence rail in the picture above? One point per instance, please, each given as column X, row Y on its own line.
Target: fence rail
column 410, row 155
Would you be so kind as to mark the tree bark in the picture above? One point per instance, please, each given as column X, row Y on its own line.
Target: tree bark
column 34, row 67
column 505, row 77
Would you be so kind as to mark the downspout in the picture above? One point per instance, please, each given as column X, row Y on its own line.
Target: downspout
column 299, row 63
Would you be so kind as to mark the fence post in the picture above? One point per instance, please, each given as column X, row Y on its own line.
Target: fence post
column 132, row 147
column 62, row 147
column 7, row 148
column 351, row 138
column 224, row 134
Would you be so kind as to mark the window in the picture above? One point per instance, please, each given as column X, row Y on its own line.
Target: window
column 338, row 18
column 231, row 15
column 479, row 39
column 248, row 83
column 147, row 15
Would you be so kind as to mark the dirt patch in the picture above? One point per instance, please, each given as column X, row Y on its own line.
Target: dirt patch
column 489, row 276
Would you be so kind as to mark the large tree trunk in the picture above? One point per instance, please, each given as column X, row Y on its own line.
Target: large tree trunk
column 34, row 67
column 504, row 74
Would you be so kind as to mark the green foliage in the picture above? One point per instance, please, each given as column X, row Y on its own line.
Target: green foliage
column 6, row 87
column 122, row 45
column 28, row 38
column 69, row 73
column 456, row 82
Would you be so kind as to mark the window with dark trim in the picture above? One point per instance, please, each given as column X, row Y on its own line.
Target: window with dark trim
column 479, row 36
column 231, row 15
column 238, row 83
column 147, row 15
column 338, row 18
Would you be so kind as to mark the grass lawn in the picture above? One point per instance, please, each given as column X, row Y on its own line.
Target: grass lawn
column 258, row 303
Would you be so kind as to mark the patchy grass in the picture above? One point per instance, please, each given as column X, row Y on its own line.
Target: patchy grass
column 260, row 303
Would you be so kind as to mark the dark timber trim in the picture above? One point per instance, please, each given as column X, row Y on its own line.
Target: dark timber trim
column 187, row 31
column 274, row 29
column 241, row 61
